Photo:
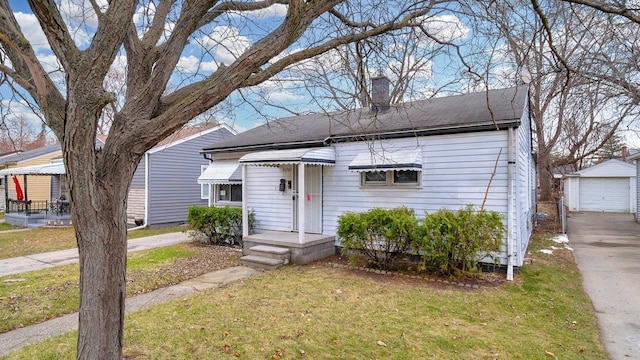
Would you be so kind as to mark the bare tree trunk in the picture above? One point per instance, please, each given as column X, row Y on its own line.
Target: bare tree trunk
column 98, row 187
column 545, row 176
column 102, row 246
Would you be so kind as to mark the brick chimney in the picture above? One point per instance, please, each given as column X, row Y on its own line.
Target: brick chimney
column 380, row 93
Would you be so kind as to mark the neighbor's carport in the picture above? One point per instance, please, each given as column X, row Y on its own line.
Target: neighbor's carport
column 606, row 187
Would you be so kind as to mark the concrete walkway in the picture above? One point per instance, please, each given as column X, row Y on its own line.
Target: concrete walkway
column 62, row 257
column 607, row 252
column 15, row 339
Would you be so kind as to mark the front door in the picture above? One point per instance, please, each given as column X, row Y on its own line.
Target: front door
column 312, row 198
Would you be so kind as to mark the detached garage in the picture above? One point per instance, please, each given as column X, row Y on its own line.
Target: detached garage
column 607, row 187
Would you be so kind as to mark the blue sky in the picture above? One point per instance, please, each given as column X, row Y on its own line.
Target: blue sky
column 243, row 110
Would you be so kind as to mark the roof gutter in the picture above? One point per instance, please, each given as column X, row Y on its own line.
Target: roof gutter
column 272, row 146
column 490, row 126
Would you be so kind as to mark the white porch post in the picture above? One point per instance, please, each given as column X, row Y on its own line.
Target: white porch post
column 301, row 202
column 245, row 207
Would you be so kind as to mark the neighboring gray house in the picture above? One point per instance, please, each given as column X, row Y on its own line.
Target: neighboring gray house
column 299, row 174
column 164, row 184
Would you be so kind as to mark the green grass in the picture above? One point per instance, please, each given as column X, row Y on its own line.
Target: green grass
column 36, row 296
column 6, row 226
column 321, row 312
column 41, row 240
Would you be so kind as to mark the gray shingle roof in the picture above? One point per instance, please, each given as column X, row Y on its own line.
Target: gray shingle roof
column 452, row 114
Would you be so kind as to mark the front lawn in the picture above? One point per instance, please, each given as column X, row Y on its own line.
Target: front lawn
column 322, row 312
column 36, row 296
column 14, row 244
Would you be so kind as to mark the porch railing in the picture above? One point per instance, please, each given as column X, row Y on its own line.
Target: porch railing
column 38, row 207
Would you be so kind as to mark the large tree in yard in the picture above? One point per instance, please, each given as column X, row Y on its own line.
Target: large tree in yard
column 239, row 44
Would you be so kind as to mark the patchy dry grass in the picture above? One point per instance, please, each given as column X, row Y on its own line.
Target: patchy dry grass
column 14, row 244
column 322, row 312
column 36, row 296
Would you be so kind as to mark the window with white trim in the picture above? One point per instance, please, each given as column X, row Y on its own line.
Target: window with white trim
column 391, row 178
column 204, row 188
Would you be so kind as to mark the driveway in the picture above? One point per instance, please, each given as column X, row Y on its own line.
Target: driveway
column 607, row 250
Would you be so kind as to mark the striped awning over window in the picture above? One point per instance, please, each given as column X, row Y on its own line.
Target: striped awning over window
column 318, row 156
column 222, row 172
column 393, row 159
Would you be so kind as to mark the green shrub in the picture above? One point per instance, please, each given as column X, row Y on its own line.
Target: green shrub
column 454, row 241
column 381, row 236
column 218, row 225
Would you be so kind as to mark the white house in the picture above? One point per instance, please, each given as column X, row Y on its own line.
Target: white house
column 609, row 186
column 299, row 174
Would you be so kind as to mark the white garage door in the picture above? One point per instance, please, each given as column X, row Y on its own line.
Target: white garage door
column 604, row 194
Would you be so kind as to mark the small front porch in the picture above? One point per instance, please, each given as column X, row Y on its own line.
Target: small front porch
column 313, row 247
column 23, row 210
column 33, row 219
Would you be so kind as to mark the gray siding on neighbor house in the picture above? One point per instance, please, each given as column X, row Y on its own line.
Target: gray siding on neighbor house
column 137, row 182
column 173, row 174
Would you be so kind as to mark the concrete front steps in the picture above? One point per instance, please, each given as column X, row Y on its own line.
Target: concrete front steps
column 266, row 257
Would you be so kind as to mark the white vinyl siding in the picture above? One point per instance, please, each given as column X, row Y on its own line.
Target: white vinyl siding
column 525, row 182
column 272, row 207
column 456, row 171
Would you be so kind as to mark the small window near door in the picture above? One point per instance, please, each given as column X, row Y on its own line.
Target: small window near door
column 229, row 193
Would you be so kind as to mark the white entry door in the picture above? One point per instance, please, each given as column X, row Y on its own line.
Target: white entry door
column 312, row 198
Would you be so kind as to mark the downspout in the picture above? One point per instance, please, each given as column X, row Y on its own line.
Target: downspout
column 146, row 194
column 510, row 207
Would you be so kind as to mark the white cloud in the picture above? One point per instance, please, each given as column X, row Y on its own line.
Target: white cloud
column 192, row 64
column 330, row 61
column 32, row 31
column 226, row 43
column 445, row 28
column 275, row 10
column 78, row 12
column 282, row 96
